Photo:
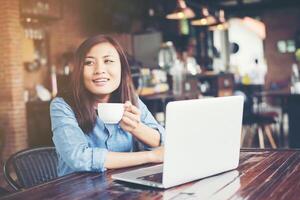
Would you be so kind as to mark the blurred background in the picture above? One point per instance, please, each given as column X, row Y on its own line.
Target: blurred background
column 177, row 49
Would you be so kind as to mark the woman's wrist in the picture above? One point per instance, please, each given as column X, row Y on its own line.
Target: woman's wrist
column 150, row 156
column 156, row 155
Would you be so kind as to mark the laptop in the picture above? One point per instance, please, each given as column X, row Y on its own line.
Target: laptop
column 202, row 139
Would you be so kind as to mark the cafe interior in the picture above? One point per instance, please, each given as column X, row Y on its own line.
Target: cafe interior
column 176, row 49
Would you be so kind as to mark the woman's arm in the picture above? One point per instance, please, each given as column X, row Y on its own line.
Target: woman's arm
column 116, row 160
column 131, row 122
column 147, row 135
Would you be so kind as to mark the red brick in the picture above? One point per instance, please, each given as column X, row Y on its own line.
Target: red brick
column 12, row 105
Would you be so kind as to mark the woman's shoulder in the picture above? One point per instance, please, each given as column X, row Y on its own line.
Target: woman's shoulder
column 61, row 113
column 58, row 100
column 60, row 103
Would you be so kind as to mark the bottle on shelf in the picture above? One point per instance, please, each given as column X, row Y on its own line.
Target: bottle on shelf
column 295, row 80
column 53, row 81
column 177, row 77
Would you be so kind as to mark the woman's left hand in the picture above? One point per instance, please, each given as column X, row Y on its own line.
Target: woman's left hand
column 131, row 118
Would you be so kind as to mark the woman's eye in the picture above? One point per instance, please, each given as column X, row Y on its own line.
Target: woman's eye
column 89, row 62
column 108, row 61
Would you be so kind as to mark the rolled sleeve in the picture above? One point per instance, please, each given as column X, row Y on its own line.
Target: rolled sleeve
column 70, row 141
column 98, row 158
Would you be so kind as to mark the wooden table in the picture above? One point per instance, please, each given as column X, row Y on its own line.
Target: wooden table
column 262, row 174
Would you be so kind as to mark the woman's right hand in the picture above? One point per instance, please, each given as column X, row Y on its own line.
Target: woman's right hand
column 157, row 155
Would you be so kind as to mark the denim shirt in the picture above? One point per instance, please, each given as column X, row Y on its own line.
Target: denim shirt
column 78, row 151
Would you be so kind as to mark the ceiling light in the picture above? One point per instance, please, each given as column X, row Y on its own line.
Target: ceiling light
column 181, row 12
column 219, row 27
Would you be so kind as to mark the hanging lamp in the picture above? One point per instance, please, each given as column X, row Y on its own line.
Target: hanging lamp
column 181, row 12
column 206, row 19
column 222, row 23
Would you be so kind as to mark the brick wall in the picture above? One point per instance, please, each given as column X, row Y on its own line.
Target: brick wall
column 67, row 33
column 12, row 106
column 280, row 25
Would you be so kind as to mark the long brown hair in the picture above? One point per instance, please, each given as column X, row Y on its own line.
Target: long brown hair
column 81, row 100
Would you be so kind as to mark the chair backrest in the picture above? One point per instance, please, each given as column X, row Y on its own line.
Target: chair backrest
column 31, row 167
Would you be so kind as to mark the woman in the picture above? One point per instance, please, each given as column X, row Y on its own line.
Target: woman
column 83, row 142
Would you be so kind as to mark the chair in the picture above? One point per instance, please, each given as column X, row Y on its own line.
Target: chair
column 261, row 119
column 31, row 167
column 263, row 122
column 3, row 192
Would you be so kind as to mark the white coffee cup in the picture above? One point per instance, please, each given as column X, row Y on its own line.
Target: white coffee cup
column 110, row 113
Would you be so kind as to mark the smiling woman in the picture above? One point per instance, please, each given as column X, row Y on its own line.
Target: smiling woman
column 82, row 140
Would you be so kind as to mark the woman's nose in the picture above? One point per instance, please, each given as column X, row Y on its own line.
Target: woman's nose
column 100, row 69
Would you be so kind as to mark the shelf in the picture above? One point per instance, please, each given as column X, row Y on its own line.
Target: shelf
column 40, row 11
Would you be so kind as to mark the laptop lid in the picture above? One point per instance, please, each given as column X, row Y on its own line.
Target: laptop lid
column 202, row 138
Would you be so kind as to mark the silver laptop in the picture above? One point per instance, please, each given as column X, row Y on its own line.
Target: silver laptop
column 202, row 139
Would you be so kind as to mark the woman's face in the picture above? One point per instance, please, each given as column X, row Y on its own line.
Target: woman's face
column 102, row 70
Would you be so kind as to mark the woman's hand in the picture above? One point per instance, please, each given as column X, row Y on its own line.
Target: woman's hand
column 157, row 155
column 131, row 122
column 131, row 118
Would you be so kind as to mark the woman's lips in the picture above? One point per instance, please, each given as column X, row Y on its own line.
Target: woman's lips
column 100, row 81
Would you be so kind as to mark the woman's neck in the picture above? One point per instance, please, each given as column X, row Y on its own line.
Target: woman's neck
column 102, row 99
